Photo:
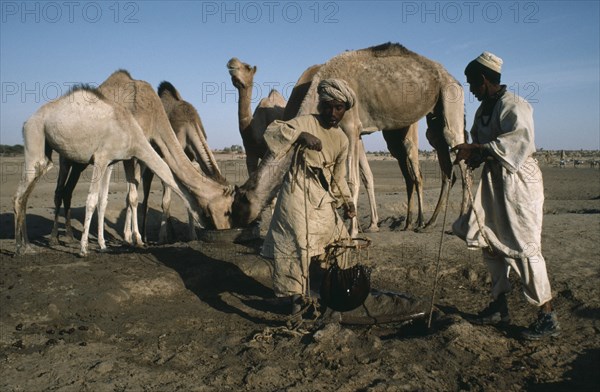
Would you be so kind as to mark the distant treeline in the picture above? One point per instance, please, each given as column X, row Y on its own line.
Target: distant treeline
column 6, row 150
column 17, row 149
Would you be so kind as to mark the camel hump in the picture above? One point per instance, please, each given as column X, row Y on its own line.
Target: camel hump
column 122, row 72
column 167, row 88
column 276, row 99
column 388, row 49
column 86, row 88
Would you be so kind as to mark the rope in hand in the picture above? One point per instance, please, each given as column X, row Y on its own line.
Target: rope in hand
column 469, row 183
column 439, row 258
column 299, row 163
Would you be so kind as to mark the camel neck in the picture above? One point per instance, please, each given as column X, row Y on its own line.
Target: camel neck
column 245, row 107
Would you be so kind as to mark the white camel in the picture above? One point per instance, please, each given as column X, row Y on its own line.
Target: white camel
column 83, row 127
column 210, row 193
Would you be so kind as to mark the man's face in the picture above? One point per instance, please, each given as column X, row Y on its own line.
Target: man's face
column 331, row 113
column 477, row 87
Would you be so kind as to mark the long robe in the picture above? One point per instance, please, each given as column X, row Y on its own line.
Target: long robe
column 319, row 192
column 508, row 205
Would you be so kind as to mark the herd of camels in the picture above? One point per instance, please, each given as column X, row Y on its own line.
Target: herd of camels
column 158, row 133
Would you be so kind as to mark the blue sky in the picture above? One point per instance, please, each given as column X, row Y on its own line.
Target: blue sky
column 550, row 51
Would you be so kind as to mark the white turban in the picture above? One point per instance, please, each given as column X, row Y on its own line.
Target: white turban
column 490, row 61
column 336, row 90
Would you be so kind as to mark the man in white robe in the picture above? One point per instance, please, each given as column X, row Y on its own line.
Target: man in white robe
column 506, row 217
column 312, row 190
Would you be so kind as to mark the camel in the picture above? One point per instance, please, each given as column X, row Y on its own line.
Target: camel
column 147, row 108
column 253, row 126
column 188, row 128
column 395, row 88
column 140, row 98
column 85, row 128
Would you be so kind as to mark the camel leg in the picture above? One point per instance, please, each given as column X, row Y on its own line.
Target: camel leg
column 405, row 150
column 191, row 228
column 100, row 168
column 366, row 176
column 74, row 175
column 443, row 154
column 166, row 229
column 251, row 162
column 147, row 177
column 131, row 233
column 63, row 173
column 36, row 165
column 352, row 130
column 103, row 199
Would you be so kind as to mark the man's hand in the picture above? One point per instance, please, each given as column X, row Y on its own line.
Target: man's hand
column 309, row 141
column 465, row 151
column 349, row 210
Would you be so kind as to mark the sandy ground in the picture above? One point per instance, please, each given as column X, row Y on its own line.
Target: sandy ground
column 197, row 316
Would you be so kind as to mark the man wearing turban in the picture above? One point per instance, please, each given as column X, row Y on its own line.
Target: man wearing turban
column 311, row 191
column 505, row 219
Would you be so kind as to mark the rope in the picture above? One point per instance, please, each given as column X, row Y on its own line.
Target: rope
column 297, row 167
column 344, row 200
column 439, row 258
column 477, row 218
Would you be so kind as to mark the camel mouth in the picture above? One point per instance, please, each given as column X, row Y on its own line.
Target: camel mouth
column 237, row 82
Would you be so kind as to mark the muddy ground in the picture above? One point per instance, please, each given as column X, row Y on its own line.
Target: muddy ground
column 198, row 316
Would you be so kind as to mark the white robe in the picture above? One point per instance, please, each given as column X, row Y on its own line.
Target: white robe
column 286, row 240
column 509, row 199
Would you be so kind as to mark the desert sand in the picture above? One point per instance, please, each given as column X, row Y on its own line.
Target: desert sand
column 200, row 316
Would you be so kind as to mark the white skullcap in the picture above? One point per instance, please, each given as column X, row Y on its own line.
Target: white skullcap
column 491, row 61
column 336, row 90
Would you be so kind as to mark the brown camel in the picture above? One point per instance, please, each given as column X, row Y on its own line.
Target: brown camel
column 395, row 88
column 252, row 126
column 190, row 133
column 83, row 126
column 147, row 108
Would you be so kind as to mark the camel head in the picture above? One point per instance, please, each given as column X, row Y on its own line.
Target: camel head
column 219, row 210
column 242, row 74
column 243, row 212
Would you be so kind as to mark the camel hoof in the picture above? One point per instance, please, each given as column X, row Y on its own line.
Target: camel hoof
column 24, row 250
column 372, row 229
column 422, row 229
column 164, row 241
column 83, row 254
column 53, row 241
